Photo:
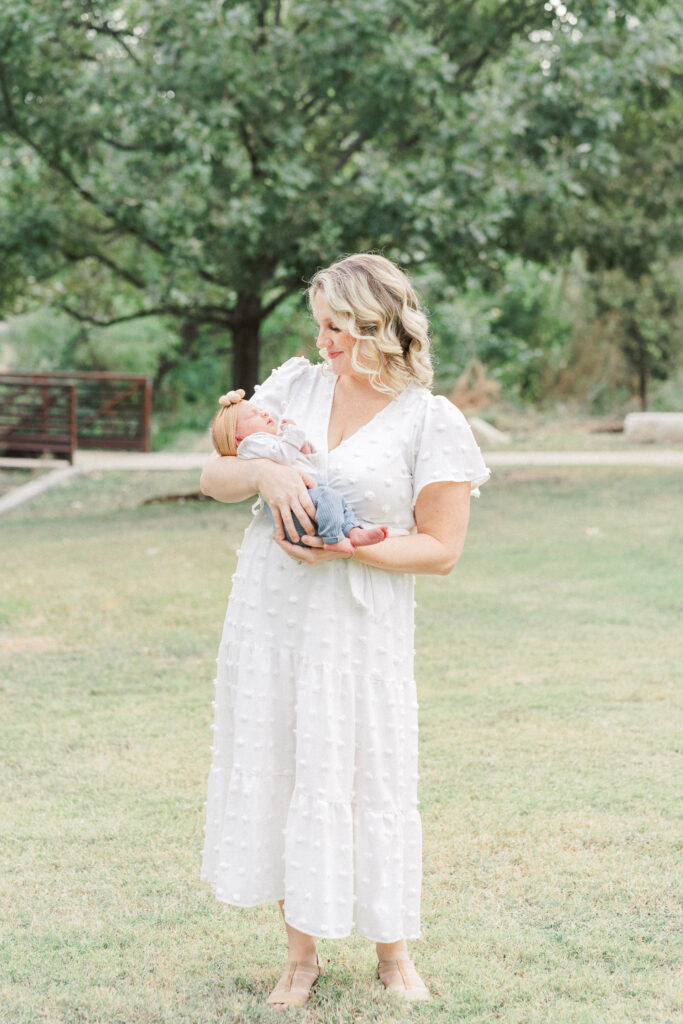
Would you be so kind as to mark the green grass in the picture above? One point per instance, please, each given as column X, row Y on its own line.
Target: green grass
column 12, row 478
column 550, row 729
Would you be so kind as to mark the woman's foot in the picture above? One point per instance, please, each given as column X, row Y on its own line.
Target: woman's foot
column 302, row 971
column 399, row 975
column 295, row 983
column 361, row 536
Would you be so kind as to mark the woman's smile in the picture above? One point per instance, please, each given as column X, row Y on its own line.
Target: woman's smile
column 332, row 342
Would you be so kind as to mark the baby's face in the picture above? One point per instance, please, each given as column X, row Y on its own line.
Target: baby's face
column 250, row 419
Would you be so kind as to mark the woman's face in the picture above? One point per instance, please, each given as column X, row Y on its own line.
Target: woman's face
column 336, row 345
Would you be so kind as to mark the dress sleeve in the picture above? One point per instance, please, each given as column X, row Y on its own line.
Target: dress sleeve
column 274, row 394
column 446, row 449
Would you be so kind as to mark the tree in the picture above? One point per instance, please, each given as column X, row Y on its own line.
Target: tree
column 644, row 317
column 597, row 145
column 199, row 161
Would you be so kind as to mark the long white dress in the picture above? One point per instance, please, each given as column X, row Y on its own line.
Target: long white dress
column 312, row 791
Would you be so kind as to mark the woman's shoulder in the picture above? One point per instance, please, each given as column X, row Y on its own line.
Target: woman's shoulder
column 292, row 373
column 430, row 415
column 432, row 406
column 444, row 447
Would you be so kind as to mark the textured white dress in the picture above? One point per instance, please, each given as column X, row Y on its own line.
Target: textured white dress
column 312, row 791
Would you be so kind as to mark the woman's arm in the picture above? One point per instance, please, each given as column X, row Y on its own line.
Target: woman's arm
column 442, row 513
column 283, row 488
column 227, row 478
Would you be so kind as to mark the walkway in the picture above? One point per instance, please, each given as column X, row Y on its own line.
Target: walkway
column 92, row 461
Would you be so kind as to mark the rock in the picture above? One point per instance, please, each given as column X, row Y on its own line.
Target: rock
column 653, row 427
column 485, row 433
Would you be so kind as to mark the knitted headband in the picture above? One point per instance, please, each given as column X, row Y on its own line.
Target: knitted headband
column 231, row 398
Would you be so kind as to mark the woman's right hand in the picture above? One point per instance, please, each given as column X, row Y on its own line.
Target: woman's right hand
column 285, row 491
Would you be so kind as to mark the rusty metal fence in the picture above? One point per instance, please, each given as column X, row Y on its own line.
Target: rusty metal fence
column 37, row 418
column 110, row 410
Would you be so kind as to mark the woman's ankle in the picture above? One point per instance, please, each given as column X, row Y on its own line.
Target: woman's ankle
column 392, row 950
column 302, row 946
column 304, row 954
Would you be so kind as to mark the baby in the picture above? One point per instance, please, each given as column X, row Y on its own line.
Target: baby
column 240, row 428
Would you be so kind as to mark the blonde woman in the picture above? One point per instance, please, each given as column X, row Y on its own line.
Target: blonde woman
column 312, row 793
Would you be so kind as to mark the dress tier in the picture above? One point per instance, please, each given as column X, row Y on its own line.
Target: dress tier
column 312, row 791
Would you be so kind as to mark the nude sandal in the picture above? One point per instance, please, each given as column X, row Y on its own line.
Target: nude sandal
column 406, row 982
column 296, row 982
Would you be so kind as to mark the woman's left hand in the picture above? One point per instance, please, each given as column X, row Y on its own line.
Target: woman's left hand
column 312, row 552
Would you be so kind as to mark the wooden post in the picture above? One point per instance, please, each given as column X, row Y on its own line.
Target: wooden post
column 73, row 436
column 146, row 413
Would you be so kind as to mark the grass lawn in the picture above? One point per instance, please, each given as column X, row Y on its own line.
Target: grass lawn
column 550, row 727
column 12, row 478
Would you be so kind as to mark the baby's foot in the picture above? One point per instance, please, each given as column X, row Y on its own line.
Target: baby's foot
column 343, row 545
column 361, row 536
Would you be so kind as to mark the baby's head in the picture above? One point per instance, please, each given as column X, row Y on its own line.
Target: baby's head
column 235, row 420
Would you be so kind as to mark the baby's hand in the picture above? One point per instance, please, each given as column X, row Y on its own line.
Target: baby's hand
column 306, row 448
column 283, row 421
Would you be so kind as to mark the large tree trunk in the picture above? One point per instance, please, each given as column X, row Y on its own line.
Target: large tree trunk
column 246, row 342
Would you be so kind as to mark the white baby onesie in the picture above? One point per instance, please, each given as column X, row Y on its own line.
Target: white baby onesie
column 284, row 447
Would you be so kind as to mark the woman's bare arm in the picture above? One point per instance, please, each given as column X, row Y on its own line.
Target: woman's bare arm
column 285, row 489
column 442, row 515
column 227, row 478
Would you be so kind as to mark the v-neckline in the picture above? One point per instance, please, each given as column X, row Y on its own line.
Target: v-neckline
column 372, row 419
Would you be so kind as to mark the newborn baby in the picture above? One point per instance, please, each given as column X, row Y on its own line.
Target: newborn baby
column 240, row 428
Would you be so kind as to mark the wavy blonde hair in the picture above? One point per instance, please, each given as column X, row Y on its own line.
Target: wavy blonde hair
column 373, row 300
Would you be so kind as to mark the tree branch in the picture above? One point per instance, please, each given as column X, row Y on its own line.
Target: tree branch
column 205, row 314
column 246, row 131
column 87, row 319
column 83, row 192
column 108, row 262
column 346, row 154
column 120, row 145
column 107, row 30
column 285, row 293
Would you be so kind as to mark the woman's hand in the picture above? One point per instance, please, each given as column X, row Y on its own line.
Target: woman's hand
column 285, row 491
column 312, row 553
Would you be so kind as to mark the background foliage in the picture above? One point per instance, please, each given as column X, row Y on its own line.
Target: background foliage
column 172, row 174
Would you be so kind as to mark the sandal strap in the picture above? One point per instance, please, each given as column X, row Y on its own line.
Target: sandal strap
column 410, row 984
column 287, row 988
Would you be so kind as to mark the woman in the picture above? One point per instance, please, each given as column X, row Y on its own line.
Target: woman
column 312, row 796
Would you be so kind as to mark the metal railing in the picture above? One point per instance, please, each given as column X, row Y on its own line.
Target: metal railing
column 112, row 410
column 37, row 418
